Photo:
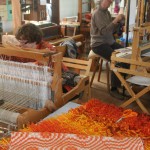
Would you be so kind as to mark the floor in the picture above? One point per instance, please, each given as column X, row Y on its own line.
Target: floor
column 99, row 91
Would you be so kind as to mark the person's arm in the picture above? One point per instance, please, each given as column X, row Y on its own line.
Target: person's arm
column 101, row 24
column 119, row 19
column 46, row 45
column 119, row 22
column 103, row 27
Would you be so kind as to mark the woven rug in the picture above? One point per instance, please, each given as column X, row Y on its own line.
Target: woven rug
column 94, row 119
column 62, row 141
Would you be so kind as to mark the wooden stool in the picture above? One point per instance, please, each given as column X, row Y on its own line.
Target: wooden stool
column 99, row 63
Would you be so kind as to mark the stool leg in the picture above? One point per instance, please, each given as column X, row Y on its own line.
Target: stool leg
column 97, row 64
column 108, row 76
column 100, row 69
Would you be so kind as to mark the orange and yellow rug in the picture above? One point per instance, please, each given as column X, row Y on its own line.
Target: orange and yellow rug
column 92, row 122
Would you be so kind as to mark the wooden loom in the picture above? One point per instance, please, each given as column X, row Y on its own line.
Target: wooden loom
column 138, row 63
column 28, row 115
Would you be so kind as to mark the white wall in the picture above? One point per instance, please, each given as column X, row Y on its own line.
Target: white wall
column 7, row 26
column 68, row 8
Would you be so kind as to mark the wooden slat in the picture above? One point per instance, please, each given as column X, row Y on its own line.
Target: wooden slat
column 58, row 41
column 144, row 47
column 28, row 53
column 135, row 47
column 142, row 12
column 76, row 61
column 76, row 66
column 130, row 61
column 132, row 72
column 22, row 53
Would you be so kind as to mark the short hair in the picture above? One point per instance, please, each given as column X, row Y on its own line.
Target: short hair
column 29, row 32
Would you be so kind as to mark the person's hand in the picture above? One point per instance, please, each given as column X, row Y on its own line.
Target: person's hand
column 119, row 18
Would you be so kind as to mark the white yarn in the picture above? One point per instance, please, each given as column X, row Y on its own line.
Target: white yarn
column 22, row 84
column 8, row 116
column 24, row 70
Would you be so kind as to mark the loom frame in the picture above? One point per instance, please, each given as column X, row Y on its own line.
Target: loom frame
column 30, row 115
column 138, row 64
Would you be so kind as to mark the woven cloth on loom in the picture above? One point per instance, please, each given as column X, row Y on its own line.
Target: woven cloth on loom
column 95, row 118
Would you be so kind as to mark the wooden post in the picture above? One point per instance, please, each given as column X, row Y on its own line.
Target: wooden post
column 135, row 46
column 16, row 14
column 127, row 22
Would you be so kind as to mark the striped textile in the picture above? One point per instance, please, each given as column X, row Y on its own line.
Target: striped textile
column 62, row 141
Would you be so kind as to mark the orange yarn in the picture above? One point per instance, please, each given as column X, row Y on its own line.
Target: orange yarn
column 97, row 118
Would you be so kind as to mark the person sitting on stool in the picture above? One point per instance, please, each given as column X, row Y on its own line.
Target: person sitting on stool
column 102, row 39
